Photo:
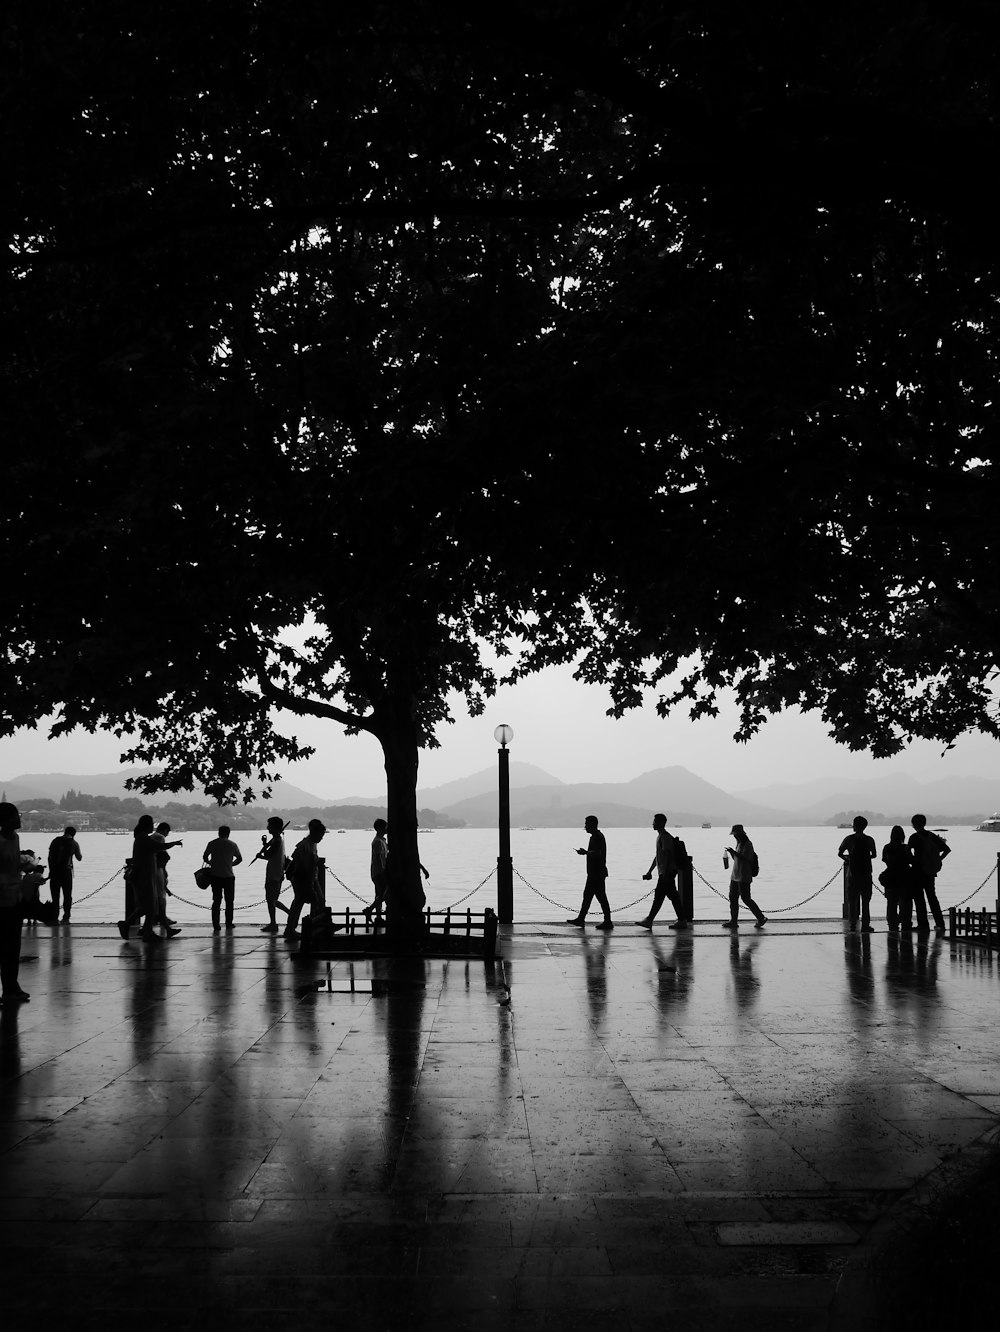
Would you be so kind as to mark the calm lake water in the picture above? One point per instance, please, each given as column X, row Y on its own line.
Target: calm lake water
column 795, row 863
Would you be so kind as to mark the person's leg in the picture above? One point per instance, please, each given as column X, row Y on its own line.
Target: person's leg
column 734, row 904
column 229, row 889
column 271, row 902
column 751, row 904
column 10, row 953
column 930, row 890
column 600, row 892
column 865, row 893
column 853, row 902
column 294, row 911
column 674, row 894
column 917, row 883
column 55, row 889
column 892, row 908
column 588, row 897
column 659, row 897
column 217, row 889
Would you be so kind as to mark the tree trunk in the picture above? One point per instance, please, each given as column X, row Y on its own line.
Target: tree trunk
column 405, row 897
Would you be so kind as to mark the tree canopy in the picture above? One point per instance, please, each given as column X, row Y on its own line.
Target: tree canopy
column 344, row 339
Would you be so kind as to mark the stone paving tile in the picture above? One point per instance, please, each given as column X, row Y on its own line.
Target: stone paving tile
column 208, row 1125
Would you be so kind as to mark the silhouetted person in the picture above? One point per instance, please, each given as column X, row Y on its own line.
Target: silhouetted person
column 666, row 866
column 273, row 851
column 744, row 859
column 859, row 850
column 162, row 856
column 221, row 855
column 142, row 880
column 32, row 878
column 305, row 876
column 929, row 852
column 63, row 850
column 596, row 852
column 896, row 879
column 379, row 867
column 11, row 906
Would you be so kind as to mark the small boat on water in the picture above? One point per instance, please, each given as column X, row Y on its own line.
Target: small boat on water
column 992, row 824
column 706, row 825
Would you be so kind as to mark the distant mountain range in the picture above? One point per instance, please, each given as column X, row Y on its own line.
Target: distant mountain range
column 895, row 794
column 537, row 799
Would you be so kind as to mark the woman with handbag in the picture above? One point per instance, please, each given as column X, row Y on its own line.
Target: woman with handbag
column 896, row 879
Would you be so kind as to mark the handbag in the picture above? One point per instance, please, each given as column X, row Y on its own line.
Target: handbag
column 203, row 876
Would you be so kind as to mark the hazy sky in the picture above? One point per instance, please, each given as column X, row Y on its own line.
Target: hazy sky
column 559, row 725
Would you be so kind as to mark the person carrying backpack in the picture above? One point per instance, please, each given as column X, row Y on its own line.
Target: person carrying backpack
column 665, row 862
column 745, row 869
column 929, row 852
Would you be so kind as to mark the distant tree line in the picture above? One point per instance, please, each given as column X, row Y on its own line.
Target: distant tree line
column 107, row 812
column 846, row 816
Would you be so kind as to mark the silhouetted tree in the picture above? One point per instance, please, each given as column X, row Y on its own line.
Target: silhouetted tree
column 344, row 338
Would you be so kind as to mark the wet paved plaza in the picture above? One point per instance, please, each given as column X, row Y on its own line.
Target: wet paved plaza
column 613, row 1132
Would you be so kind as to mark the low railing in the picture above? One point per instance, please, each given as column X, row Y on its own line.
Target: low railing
column 974, row 926
column 447, row 933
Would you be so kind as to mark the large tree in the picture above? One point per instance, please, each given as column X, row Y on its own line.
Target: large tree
column 344, row 338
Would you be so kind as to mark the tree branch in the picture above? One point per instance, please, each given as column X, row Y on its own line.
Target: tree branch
column 311, row 707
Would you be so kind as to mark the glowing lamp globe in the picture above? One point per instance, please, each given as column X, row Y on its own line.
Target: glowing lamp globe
column 503, row 735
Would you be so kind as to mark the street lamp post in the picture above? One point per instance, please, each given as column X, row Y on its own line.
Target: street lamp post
column 505, row 866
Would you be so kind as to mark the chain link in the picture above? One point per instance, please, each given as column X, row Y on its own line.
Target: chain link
column 774, row 911
column 976, row 890
column 93, row 893
column 551, row 901
column 482, row 884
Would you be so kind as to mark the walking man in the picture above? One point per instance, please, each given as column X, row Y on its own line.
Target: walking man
column 305, row 876
column 273, row 852
column 596, row 852
column 666, row 866
column 380, row 867
column 859, row 850
column 221, row 856
column 63, row 850
column 929, row 852
column 744, row 859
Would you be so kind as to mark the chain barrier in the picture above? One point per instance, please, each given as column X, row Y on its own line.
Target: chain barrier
column 337, row 879
column 481, row 884
column 95, row 891
column 976, row 890
column 773, row 911
column 551, row 901
column 629, row 905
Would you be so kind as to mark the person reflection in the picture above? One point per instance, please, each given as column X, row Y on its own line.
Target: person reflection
column 674, row 977
column 745, row 985
column 858, row 964
column 595, row 955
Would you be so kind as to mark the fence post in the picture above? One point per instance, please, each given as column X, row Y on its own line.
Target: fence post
column 685, row 883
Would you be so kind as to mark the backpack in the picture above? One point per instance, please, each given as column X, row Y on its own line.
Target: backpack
column 930, row 853
column 681, row 856
column 754, row 865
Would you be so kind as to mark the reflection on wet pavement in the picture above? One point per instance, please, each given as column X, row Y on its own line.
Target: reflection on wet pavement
column 698, row 1128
